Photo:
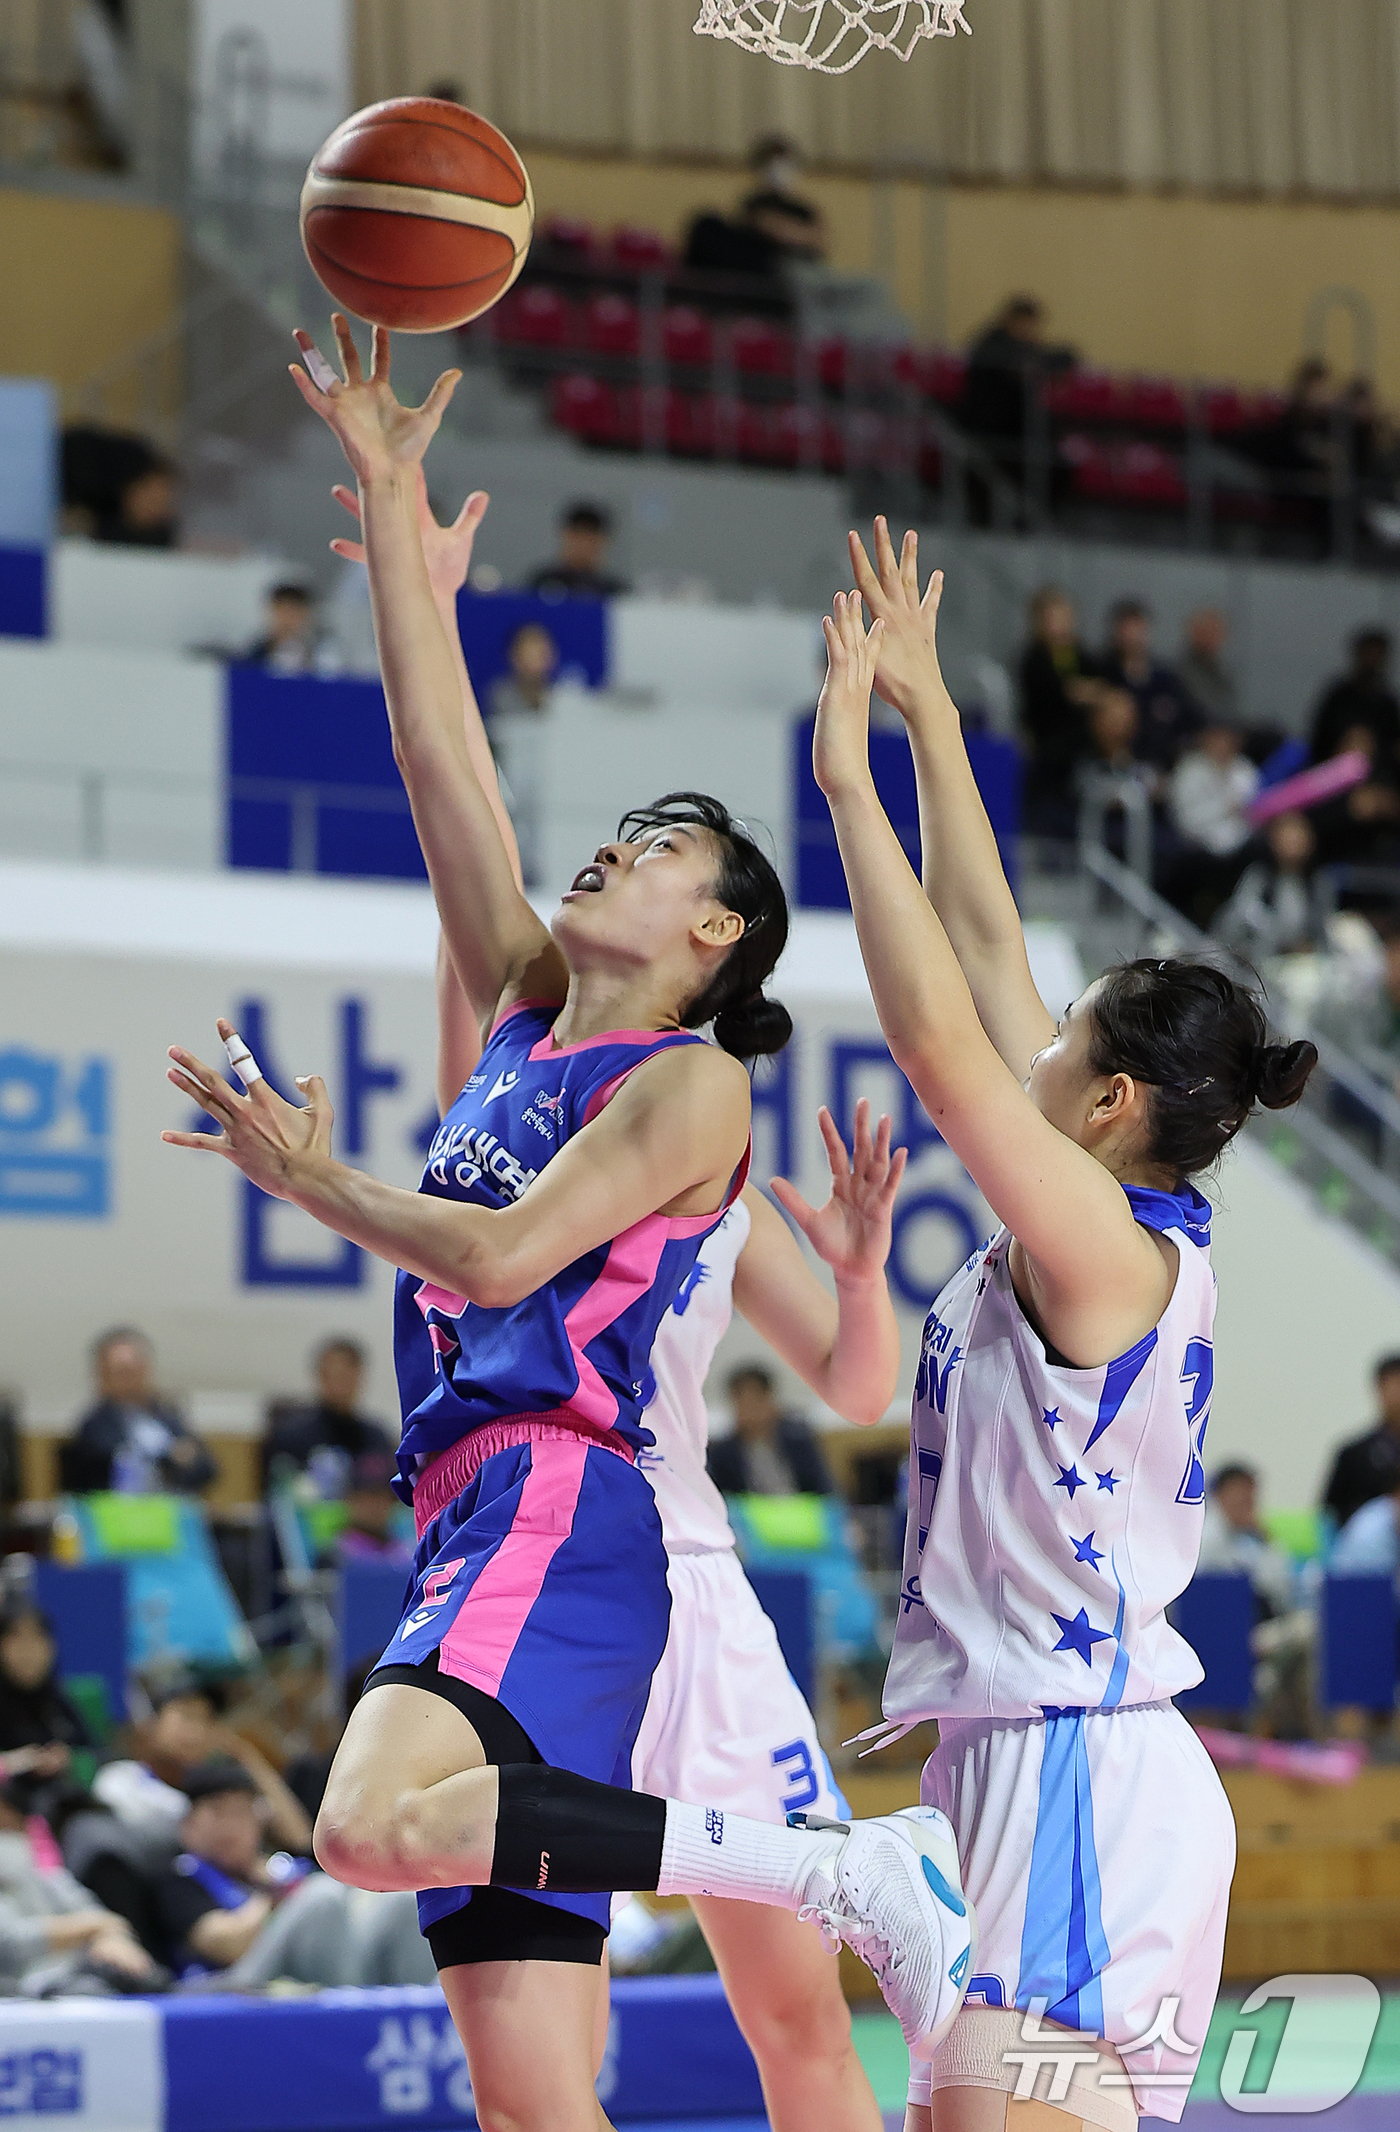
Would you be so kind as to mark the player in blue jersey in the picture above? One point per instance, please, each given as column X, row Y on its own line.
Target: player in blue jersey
column 563, row 1204
column 1057, row 1481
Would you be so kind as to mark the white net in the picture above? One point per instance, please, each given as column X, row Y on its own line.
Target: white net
column 830, row 36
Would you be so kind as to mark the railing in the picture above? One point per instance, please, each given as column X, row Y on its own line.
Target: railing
column 1343, row 1139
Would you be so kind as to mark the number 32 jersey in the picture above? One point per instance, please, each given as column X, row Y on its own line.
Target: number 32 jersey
column 1054, row 1513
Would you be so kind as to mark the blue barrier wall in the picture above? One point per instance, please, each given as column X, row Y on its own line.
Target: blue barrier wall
column 87, row 1606
column 1357, row 1625
column 312, row 782
column 23, row 592
column 821, row 885
column 1216, row 1614
column 349, row 2061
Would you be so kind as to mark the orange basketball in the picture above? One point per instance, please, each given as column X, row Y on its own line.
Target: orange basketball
column 416, row 214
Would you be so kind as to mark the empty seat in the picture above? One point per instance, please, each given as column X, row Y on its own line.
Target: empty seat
column 640, row 250
column 612, row 325
column 943, row 375
column 584, row 407
column 687, row 336
column 1154, row 403
column 567, row 233
column 760, row 349
column 536, row 317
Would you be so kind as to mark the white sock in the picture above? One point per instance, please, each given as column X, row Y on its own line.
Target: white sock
column 706, row 1851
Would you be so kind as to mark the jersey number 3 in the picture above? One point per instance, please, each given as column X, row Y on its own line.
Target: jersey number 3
column 1198, row 1375
column 799, row 1775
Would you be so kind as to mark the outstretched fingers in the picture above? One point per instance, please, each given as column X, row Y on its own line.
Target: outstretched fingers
column 379, row 354
column 792, row 1202
column 345, row 345
column 835, row 1146
column 435, row 405
column 207, row 1088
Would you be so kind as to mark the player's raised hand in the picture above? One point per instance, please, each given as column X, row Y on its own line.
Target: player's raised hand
column 841, row 743
column 377, row 433
column 263, row 1135
column 447, row 550
column 852, row 1231
column 908, row 661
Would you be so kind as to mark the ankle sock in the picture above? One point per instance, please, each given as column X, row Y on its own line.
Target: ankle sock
column 709, row 1852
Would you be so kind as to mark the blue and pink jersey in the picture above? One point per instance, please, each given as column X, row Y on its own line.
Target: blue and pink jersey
column 577, row 1350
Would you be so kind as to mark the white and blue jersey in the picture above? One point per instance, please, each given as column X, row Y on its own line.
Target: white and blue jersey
column 1054, row 1513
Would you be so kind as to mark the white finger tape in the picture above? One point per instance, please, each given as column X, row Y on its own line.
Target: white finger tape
column 319, row 369
column 241, row 1059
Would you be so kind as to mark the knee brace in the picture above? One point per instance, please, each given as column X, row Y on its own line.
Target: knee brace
column 985, row 2049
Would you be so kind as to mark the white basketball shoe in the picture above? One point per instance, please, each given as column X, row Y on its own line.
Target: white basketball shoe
column 891, row 1890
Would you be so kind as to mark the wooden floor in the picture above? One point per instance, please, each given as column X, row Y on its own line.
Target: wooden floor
column 1316, row 1888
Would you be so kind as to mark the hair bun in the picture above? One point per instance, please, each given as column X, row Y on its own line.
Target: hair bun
column 1281, row 1073
column 752, row 1027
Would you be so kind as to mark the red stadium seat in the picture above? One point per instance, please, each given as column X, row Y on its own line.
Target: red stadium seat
column 760, row 349
column 640, row 250
column 1145, row 474
column 1225, row 410
column 612, row 325
column 943, row 376
column 536, row 317
column 567, row 233
column 687, row 336
column 833, row 364
column 1155, row 403
column 691, row 424
column 1085, row 396
column 583, row 407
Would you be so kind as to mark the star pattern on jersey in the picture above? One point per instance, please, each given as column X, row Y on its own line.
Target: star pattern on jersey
column 1077, row 1635
column 1085, row 1551
column 1050, row 1416
column 1070, row 1479
column 1107, row 1481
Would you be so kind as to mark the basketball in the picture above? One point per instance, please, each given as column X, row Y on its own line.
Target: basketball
column 416, row 214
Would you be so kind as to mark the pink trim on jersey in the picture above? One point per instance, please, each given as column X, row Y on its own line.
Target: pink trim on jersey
column 454, row 1469
column 430, row 1298
column 545, row 1049
column 525, row 1006
column 628, row 1272
column 481, row 1641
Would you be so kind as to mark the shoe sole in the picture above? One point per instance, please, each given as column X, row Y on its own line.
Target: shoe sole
column 945, row 1896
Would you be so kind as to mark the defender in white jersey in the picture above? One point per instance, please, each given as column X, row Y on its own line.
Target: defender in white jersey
column 726, row 1723
column 1057, row 1478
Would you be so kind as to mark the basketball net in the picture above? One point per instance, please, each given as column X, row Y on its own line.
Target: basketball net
column 830, row 36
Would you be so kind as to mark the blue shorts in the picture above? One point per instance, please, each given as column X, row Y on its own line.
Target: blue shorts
column 543, row 1584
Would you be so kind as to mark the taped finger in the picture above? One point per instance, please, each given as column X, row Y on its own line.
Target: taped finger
column 241, row 1059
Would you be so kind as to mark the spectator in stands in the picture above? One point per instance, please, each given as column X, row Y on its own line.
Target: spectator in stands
column 291, row 638
column 1233, row 1540
column 133, row 1440
column 40, row 1727
column 227, row 1907
column 1362, row 700
column 1210, row 788
column 1058, row 683
column 1296, row 447
column 1112, row 725
column 1368, row 1545
column 1006, row 365
column 516, row 724
column 117, row 488
column 1370, row 1026
column 1167, row 719
column 371, row 1512
column 578, row 571
column 54, row 1939
column 185, row 1731
column 1202, row 670
column 777, row 207
column 324, row 1436
column 770, row 1452
column 1368, row 1466
column 1275, row 908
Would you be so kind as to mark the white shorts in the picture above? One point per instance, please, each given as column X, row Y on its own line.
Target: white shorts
column 1098, row 1850
column 726, row 1724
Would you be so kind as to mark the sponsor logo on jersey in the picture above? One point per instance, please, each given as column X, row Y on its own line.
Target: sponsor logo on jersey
column 544, row 1113
column 501, row 1086
column 465, row 1155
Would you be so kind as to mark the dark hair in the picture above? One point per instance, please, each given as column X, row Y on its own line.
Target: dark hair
column 1235, row 1472
column 1199, row 1042
column 749, row 1373
column 212, row 1780
column 1364, row 639
column 341, row 1344
column 746, row 1022
column 115, row 1333
column 1385, row 1366
column 289, row 589
column 1128, row 611
column 588, row 517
